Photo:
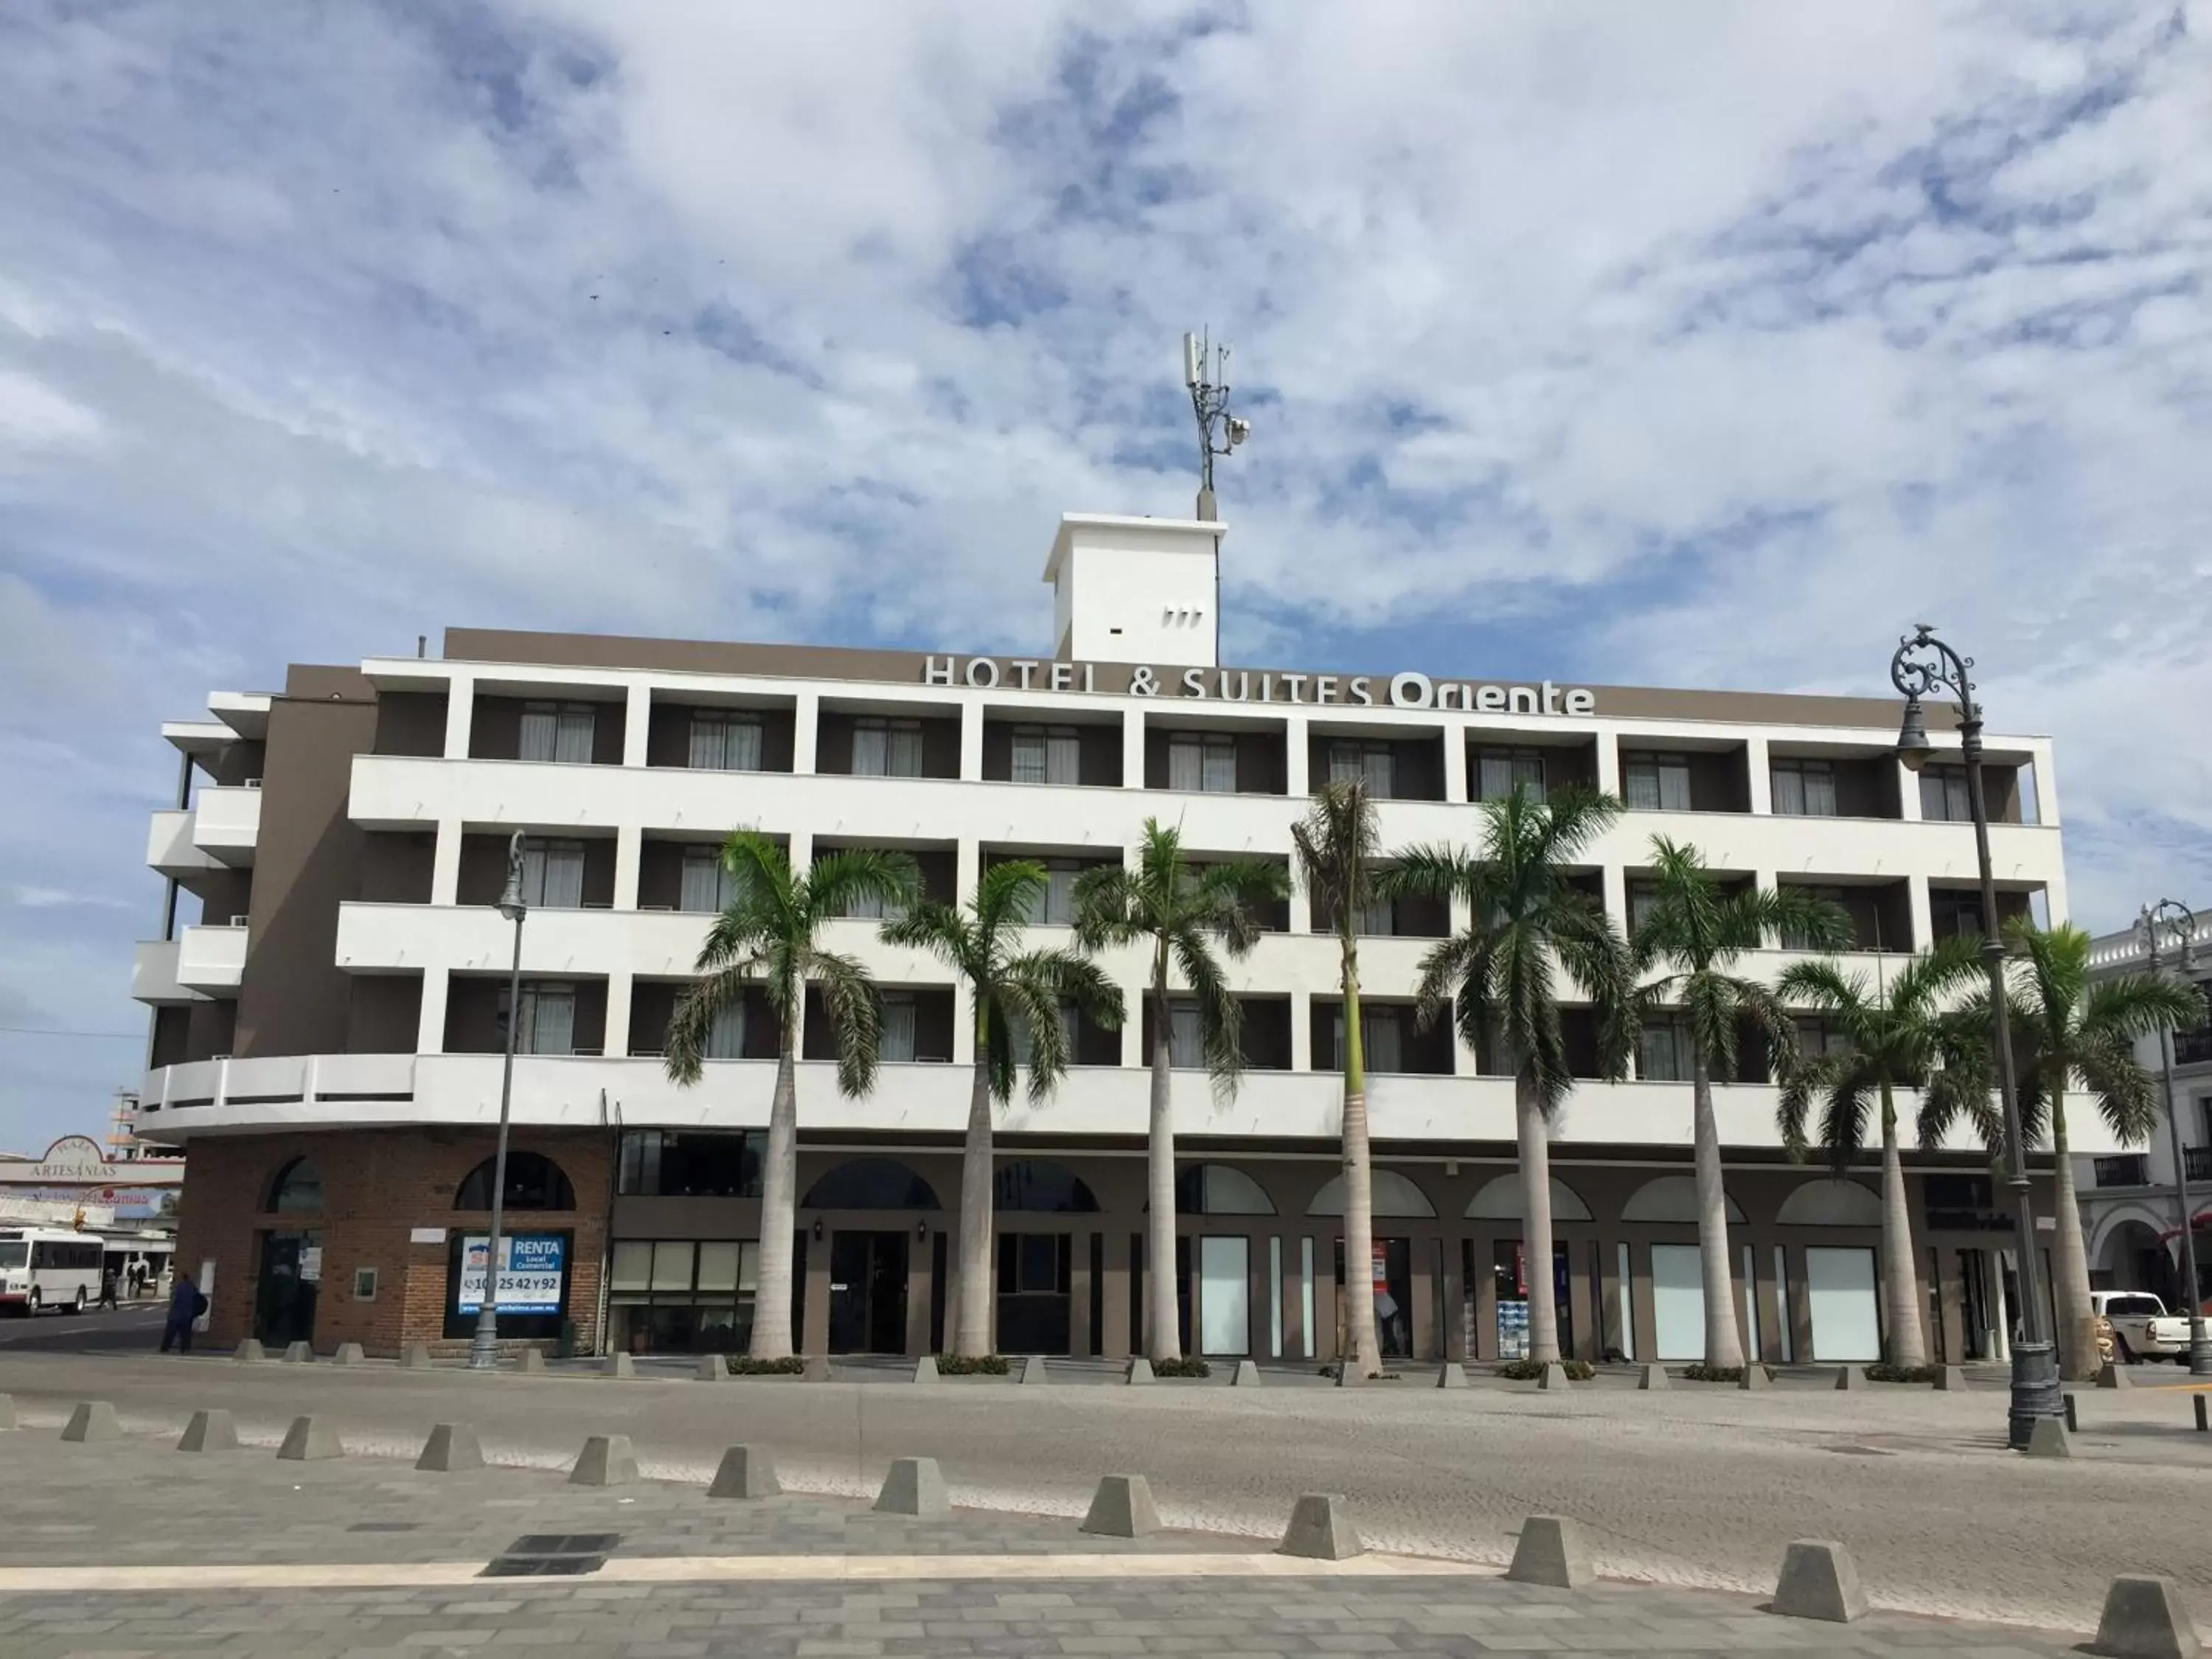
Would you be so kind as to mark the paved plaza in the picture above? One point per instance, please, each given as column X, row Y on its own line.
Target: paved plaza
column 1693, row 1492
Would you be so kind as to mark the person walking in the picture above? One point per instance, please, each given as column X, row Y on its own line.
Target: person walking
column 107, row 1290
column 186, row 1304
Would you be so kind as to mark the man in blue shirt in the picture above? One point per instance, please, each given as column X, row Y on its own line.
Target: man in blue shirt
column 186, row 1304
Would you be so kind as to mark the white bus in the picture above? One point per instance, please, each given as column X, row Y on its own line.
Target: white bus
column 48, row 1269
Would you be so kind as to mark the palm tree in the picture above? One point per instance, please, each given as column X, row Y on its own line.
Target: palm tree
column 1895, row 1036
column 1696, row 931
column 1177, row 910
column 2064, row 1029
column 1528, row 924
column 1013, row 990
column 766, row 936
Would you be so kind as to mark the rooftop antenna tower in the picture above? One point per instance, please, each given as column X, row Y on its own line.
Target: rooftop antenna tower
column 1206, row 372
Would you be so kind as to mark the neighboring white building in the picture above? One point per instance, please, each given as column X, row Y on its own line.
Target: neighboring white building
column 2130, row 1216
column 327, row 1033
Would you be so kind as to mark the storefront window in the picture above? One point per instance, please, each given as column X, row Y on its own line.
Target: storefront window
column 691, row 1164
column 681, row 1295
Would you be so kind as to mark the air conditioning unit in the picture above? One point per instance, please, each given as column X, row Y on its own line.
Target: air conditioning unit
column 238, row 922
column 252, row 783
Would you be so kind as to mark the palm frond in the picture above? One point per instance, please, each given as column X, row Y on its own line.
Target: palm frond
column 855, row 1015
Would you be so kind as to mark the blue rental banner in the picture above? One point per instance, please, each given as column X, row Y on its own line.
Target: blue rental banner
column 533, row 1272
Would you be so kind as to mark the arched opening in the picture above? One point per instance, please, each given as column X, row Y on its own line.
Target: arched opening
column 1499, row 1200
column 1672, row 1198
column 1038, row 1186
column 298, row 1185
column 1219, row 1189
column 872, row 1184
column 1395, row 1195
column 534, row 1182
column 1837, row 1203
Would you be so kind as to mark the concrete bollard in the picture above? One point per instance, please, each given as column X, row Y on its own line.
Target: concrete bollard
column 2047, row 1439
column 1033, row 1369
column 1950, row 1379
column 1819, row 1581
column 451, row 1446
column 817, row 1370
column 607, row 1460
column 924, row 1369
column 746, row 1471
column 1851, row 1376
column 1655, row 1376
column 1551, row 1552
column 1246, row 1375
column 1754, row 1379
column 1121, row 1508
column 2203, row 1426
column 7, row 1413
column 529, row 1363
column 713, row 1368
column 414, row 1357
column 208, row 1431
column 311, row 1440
column 1554, row 1376
column 1320, row 1529
column 1451, row 1375
column 2109, row 1375
column 2144, row 1618
column 1140, row 1370
column 299, row 1353
column 92, row 1420
column 618, row 1364
column 350, row 1354
column 2073, row 1422
column 250, row 1352
column 914, row 1486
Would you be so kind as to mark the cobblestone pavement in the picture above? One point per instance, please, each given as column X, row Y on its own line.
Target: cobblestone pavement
column 1694, row 1488
column 772, row 1578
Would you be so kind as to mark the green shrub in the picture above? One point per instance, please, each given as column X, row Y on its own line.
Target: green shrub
column 1702, row 1372
column 1885, row 1372
column 1530, row 1371
column 741, row 1365
column 1192, row 1366
column 1331, row 1369
column 962, row 1365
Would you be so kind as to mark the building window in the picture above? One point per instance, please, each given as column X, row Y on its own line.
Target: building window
column 1054, row 905
column 2123, row 1169
column 548, row 1019
column 725, row 743
column 1046, row 754
column 298, row 1185
column 1816, row 1037
column 887, row 749
column 2194, row 1048
column 1804, row 788
column 1378, row 918
column 1954, row 915
column 1382, row 1040
column 708, row 886
column 1017, row 1034
column 1369, row 763
column 364, row 1284
column 1794, row 938
column 1662, row 1052
column 1202, row 763
column 1186, row 1041
column 552, row 873
column 682, row 1295
column 557, row 732
column 1656, row 783
column 690, row 1163
column 1944, row 797
column 894, row 1040
column 1499, row 772
column 726, row 1032
column 534, row 1182
column 1643, row 896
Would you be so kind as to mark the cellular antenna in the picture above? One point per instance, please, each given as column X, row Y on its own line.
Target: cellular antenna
column 1218, row 431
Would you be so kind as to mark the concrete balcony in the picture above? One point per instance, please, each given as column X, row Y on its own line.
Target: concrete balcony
column 211, row 960
column 154, row 975
column 226, row 825
column 172, row 850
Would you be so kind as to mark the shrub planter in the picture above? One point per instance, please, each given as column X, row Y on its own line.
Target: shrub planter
column 1531, row 1370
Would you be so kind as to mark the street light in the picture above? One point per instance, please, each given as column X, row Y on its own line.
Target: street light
column 483, row 1348
column 2170, row 922
column 1924, row 664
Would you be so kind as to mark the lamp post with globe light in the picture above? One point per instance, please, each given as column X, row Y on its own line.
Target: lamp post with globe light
column 2170, row 927
column 483, row 1347
column 1924, row 665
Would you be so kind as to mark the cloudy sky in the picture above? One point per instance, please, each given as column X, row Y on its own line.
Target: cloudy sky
column 1700, row 343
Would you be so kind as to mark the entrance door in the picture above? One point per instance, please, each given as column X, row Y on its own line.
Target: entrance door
column 1034, row 1276
column 1225, row 1295
column 867, row 1292
column 1839, row 1293
column 283, row 1302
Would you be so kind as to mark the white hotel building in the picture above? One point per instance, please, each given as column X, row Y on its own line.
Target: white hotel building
column 327, row 1035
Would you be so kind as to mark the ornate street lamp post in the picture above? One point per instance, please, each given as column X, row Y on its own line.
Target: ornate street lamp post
column 483, row 1348
column 2171, row 926
column 1923, row 665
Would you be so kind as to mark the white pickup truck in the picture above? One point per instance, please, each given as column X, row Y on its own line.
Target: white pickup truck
column 2142, row 1327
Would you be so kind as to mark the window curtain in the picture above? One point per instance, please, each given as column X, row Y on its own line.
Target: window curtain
column 553, row 874
column 541, row 732
column 871, row 749
column 905, row 752
column 1673, row 785
column 726, row 743
column 1820, row 792
column 1662, row 1053
column 548, row 1020
column 1344, row 763
column 1788, row 792
column 1498, row 771
column 895, row 1040
column 1063, row 757
column 1379, row 1037
column 1029, row 758
column 1186, row 1043
column 726, row 1034
column 1059, row 896
column 1220, row 777
column 1186, row 764
column 573, row 743
column 705, row 882
column 1379, row 771
column 1378, row 918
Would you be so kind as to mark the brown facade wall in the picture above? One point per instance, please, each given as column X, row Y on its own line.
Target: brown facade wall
column 410, row 723
column 384, row 1014
column 395, row 866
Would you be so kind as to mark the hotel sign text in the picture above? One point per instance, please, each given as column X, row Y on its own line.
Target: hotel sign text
column 1406, row 690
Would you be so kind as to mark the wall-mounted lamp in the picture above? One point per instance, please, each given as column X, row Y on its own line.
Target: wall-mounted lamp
column 817, row 1230
column 921, row 1230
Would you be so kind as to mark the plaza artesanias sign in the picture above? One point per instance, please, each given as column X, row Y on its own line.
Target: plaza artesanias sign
column 1406, row 690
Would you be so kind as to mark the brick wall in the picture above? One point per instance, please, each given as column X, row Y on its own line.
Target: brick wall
column 378, row 1185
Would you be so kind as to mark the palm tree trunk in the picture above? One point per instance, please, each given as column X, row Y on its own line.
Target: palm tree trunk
column 771, row 1337
column 1162, row 1305
column 1359, row 1188
column 2077, row 1319
column 1900, row 1281
column 1535, row 1135
column 971, row 1324
column 1723, row 1339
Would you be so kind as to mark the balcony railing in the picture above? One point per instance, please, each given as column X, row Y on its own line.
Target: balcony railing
column 2123, row 1169
column 2197, row 1162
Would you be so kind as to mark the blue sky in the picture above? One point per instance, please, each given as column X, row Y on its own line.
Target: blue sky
column 1701, row 344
